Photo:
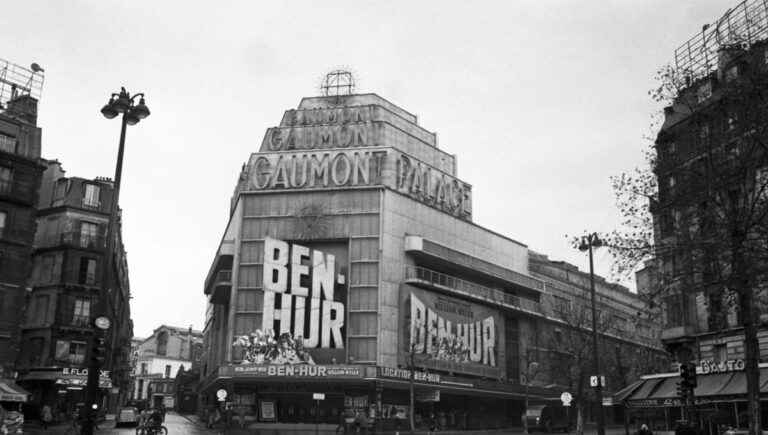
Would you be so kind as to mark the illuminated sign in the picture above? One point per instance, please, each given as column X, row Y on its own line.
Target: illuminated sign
column 294, row 371
column 391, row 372
column 433, row 187
column 322, row 128
column 317, row 170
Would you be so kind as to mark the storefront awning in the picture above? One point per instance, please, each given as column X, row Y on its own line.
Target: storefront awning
column 667, row 389
column 10, row 392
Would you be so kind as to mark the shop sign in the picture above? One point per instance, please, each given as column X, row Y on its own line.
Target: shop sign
column 318, row 396
column 76, row 371
column 317, row 169
column 294, row 371
column 650, row 403
column 433, row 187
column 356, row 402
column 419, row 376
column 454, row 331
column 428, row 396
column 707, row 367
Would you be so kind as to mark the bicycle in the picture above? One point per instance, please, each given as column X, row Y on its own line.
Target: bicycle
column 151, row 430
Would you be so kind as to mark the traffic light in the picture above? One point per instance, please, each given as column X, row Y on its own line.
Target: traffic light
column 682, row 391
column 98, row 350
column 688, row 375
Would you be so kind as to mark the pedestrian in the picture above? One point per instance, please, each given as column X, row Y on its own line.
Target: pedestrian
column 46, row 415
column 241, row 416
column 432, row 423
column 644, row 430
column 3, row 415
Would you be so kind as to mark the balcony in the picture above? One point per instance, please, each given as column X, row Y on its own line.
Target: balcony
column 92, row 204
column 221, row 287
column 450, row 284
column 73, row 239
column 72, row 359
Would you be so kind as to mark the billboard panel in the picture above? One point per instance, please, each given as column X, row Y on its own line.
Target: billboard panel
column 303, row 317
column 451, row 334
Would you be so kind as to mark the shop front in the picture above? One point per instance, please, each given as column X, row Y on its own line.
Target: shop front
column 719, row 399
column 61, row 388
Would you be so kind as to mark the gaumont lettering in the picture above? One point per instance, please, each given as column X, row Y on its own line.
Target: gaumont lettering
column 320, row 137
column 323, row 169
column 326, row 316
column 341, row 115
column 432, row 186
column 440, row 338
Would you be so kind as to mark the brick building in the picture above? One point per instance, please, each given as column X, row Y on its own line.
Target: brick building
column 67, row 278
column 20, row 174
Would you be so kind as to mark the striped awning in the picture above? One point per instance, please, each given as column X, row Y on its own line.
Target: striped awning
column 10, row 392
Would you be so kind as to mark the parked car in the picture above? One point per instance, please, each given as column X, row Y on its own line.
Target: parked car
column 127, row 415
column 548, row 418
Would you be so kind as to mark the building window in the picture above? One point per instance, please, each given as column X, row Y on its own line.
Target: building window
column 143, row 368
column 34, row 352
column 167, row 371
column 40, row 314
column 88, row 232
column 732, row 73
column 82, row 312
column 91, row 196
column 7, row 143
column 87, row 271
column 6, row 179
column 162, row 343
column 720, row 352
column 561, row 305
column 3, row 220
column 141, row 389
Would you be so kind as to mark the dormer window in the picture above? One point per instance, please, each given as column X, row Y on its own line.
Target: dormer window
column 91, row 196
column 704, row 92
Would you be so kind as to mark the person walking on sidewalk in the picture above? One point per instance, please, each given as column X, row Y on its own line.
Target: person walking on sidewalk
column 46, row 415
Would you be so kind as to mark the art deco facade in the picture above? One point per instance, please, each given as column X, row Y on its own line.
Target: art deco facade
column 350, row 248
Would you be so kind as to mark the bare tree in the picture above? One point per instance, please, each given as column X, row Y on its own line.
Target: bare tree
column 698, row 210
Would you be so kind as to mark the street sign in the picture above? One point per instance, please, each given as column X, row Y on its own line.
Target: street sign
column 221, row 395
column 566, row 398
column 318, row 396
column 593, row 381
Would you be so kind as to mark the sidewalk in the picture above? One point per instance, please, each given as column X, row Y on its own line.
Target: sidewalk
column 34, row 427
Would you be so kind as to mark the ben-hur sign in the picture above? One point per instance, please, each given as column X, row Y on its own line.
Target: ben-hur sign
column 301, row 310
column 454, row 334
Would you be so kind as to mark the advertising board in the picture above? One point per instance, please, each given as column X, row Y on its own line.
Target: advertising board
column 451, row 334
column 303, row 307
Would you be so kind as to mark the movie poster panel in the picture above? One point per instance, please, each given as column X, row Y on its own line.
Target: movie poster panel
column 305, row 294
column 452, row 334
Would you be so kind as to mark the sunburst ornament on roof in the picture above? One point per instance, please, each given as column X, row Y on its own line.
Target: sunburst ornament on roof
column 337, row 83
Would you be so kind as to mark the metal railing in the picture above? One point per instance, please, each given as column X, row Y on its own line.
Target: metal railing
column 469, row 288
column 80, row 321
column 73, row 238
column 93, row 204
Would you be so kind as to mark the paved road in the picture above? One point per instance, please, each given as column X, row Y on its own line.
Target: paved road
column 175, row 423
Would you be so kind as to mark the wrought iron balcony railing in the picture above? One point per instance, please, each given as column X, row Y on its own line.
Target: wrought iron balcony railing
column 73, row 238
column 459, row 285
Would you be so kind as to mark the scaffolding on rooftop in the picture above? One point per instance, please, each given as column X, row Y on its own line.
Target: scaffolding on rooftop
column 16, row 80
column 740, row 27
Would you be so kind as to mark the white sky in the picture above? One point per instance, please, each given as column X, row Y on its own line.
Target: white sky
column 542, row 101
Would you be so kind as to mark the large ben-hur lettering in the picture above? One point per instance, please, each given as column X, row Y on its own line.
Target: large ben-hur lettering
column 461, row 342
column 282, row 261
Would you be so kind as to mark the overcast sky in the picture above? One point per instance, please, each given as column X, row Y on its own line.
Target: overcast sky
column 541, row 101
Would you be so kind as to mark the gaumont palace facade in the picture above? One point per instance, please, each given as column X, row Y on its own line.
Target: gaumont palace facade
column 351, row 256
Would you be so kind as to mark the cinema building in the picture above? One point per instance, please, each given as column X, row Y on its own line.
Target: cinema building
column 349, row 255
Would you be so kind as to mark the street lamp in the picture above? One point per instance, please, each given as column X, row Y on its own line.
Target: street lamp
column 132, row 112
column 533, row 366
column 586, row 243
